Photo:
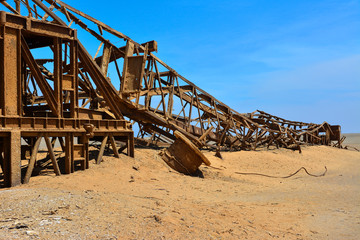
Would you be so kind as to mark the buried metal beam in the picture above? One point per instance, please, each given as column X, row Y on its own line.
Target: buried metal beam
column 102, row 149
column 52, row 156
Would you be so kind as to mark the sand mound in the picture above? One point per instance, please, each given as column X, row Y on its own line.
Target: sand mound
column 143, row 198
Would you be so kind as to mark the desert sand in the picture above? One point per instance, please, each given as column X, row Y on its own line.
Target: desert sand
column 142, row 198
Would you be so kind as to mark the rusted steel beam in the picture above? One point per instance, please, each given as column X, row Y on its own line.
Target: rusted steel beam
column 42, row 83
column 52, row 156
column 49, row 12
column 3, row 2
column 32, row 161
column 102, row 149
column 113, row 146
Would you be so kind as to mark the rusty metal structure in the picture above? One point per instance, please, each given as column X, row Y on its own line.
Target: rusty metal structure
column 69, row 93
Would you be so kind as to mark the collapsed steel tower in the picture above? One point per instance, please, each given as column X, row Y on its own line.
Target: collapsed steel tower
column 73, row 84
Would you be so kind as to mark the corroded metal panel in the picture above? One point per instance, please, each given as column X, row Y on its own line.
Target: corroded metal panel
column 133, row 73
column 11, row 74
column 12, row 156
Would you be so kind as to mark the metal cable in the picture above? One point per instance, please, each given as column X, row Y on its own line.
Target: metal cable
column 302, row 168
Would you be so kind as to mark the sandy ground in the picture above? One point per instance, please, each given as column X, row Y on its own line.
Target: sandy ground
column 352, row 140
column 142, row 198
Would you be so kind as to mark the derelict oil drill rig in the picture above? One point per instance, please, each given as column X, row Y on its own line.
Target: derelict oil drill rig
column 68, row 97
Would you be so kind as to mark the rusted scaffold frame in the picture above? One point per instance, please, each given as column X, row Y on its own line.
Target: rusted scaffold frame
column 37, row 104
column 156, row 97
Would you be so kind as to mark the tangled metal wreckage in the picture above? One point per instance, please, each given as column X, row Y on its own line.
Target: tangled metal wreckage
column 67, row 97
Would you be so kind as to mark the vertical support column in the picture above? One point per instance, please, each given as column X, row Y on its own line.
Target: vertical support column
column 130, row 145
column 75, row 81
column 129, row 51
column 105, row 58
column 10, row 71
column 69, row 153
column 17, row 2
column 12, row 159
column 2, row 69
column 19, row 73
column 171, row 96
column 1, row 155
column 58, row 76
column 85, row 142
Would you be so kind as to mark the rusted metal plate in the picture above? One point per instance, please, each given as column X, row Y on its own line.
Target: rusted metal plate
column 133, row 73
column 183, row 156
column 11, row 77
column 12, row 158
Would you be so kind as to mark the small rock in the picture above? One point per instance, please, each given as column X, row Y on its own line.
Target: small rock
column 52, row 212
column 136, row 168
column 44, row 222
column 157, row 218
column 19, row 226
column 64, row 207
column 132, row 179
column 32, row 233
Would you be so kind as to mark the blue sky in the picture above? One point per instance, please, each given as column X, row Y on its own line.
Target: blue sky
column 299, row 60
column 296, row 59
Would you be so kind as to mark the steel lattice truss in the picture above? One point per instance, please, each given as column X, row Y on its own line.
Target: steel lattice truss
column 155, row 96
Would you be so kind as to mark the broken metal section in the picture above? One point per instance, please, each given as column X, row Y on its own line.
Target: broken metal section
column 183, row 156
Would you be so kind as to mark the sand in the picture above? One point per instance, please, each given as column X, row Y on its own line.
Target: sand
column 352, row 140
column 143, row 198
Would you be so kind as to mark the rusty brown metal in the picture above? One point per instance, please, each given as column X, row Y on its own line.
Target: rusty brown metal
column 36, row 103
column 183, row 156
column 36, row 99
